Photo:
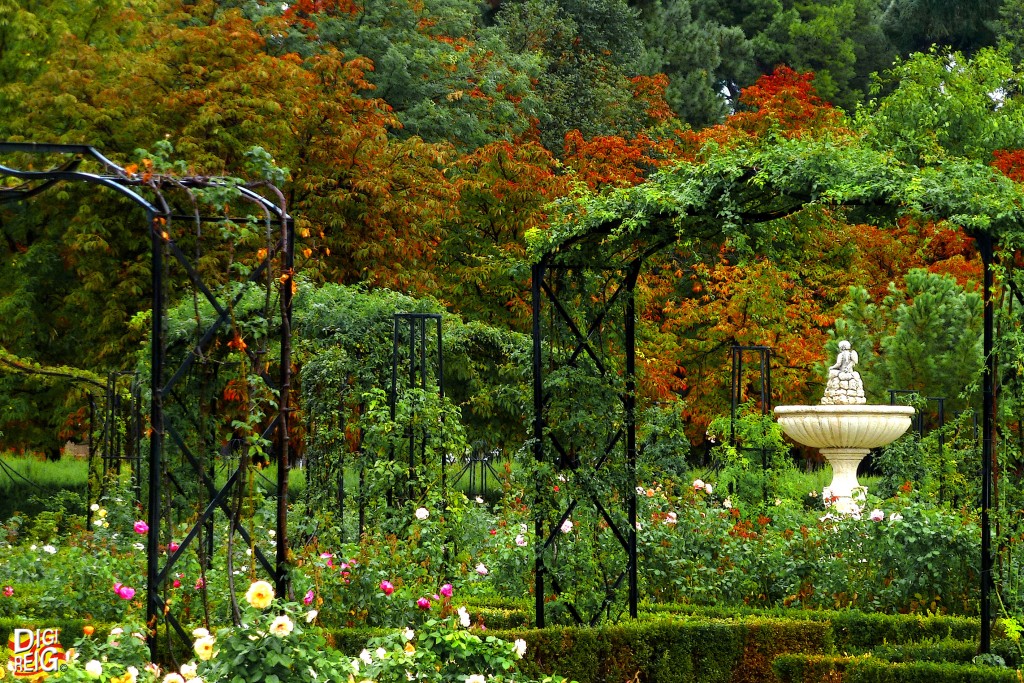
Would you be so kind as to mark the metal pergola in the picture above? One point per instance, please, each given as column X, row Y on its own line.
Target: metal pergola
column 152, row 193
column 642, row 230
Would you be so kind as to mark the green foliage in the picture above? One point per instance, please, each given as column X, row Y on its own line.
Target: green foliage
column 756, row 467
column 673, row 651
column 347, row 338
column 447, row 76
column 36, row 486
column 697, row 55
column 663, row 445
column 588, row 50
column 939, row 105
column 964, row 25
column 801, row 668
column 941, row 466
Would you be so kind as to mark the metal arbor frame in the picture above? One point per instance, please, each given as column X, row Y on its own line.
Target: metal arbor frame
column 418, row 378
column 580, row 336
column 158, row 217
column 605, row 239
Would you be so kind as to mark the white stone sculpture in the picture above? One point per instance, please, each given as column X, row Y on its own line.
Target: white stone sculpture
column 845, row 386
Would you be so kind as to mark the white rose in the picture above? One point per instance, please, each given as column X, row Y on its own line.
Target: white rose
column 422, row 513
column 94, row 668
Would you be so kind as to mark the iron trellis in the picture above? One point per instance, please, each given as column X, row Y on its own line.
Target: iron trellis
column 418, row 373
column 581, row 349
column 164, row 424
column 764, row 354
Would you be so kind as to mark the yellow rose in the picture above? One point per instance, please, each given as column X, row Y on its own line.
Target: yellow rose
column 260, row 594
column 204, row 647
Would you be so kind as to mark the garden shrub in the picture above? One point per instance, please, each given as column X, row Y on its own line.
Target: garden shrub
column 858, row 631
column 852, row 630
column 667, row 651
column 831, row 669
column 946, row 650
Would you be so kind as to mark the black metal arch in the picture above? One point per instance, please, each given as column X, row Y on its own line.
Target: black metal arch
column 601, row 243
column 577, row 339
column 163, row 384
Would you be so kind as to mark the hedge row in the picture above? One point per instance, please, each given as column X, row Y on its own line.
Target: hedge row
column 853, row 631
column 669, row 651
column 794, row 668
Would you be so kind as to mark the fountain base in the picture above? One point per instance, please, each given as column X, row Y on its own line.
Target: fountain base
column 844, row 490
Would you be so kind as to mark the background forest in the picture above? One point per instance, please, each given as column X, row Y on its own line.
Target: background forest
column 419, row 142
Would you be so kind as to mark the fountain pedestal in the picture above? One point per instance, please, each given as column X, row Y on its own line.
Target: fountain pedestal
column 844, row 488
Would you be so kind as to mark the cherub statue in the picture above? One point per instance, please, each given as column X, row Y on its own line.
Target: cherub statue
column 844, row 383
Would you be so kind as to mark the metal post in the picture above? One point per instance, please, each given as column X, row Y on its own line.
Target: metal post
column 156, row 440
column 390, row 495
column 284, row 455
column 88, row 466
column 440, row 388
column 538, row 447
column 985, row 246
column 630, row 409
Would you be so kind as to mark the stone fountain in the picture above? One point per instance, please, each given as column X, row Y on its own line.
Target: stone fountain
column 844, row 428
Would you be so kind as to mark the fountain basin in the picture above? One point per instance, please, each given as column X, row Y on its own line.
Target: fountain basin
column 844, row 434
column 844, row 426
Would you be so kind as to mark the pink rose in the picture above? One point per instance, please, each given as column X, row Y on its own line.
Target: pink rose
column 423, row 603
column 387, row 587
column 173, row 547
column 446, row 590
column 141, row 527
column 308, row 599
column 8, row 591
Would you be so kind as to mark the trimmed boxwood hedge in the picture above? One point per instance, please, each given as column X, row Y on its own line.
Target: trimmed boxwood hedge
column 854, row 631
column 668, row 651
column 795, row 668
column 708, row 645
